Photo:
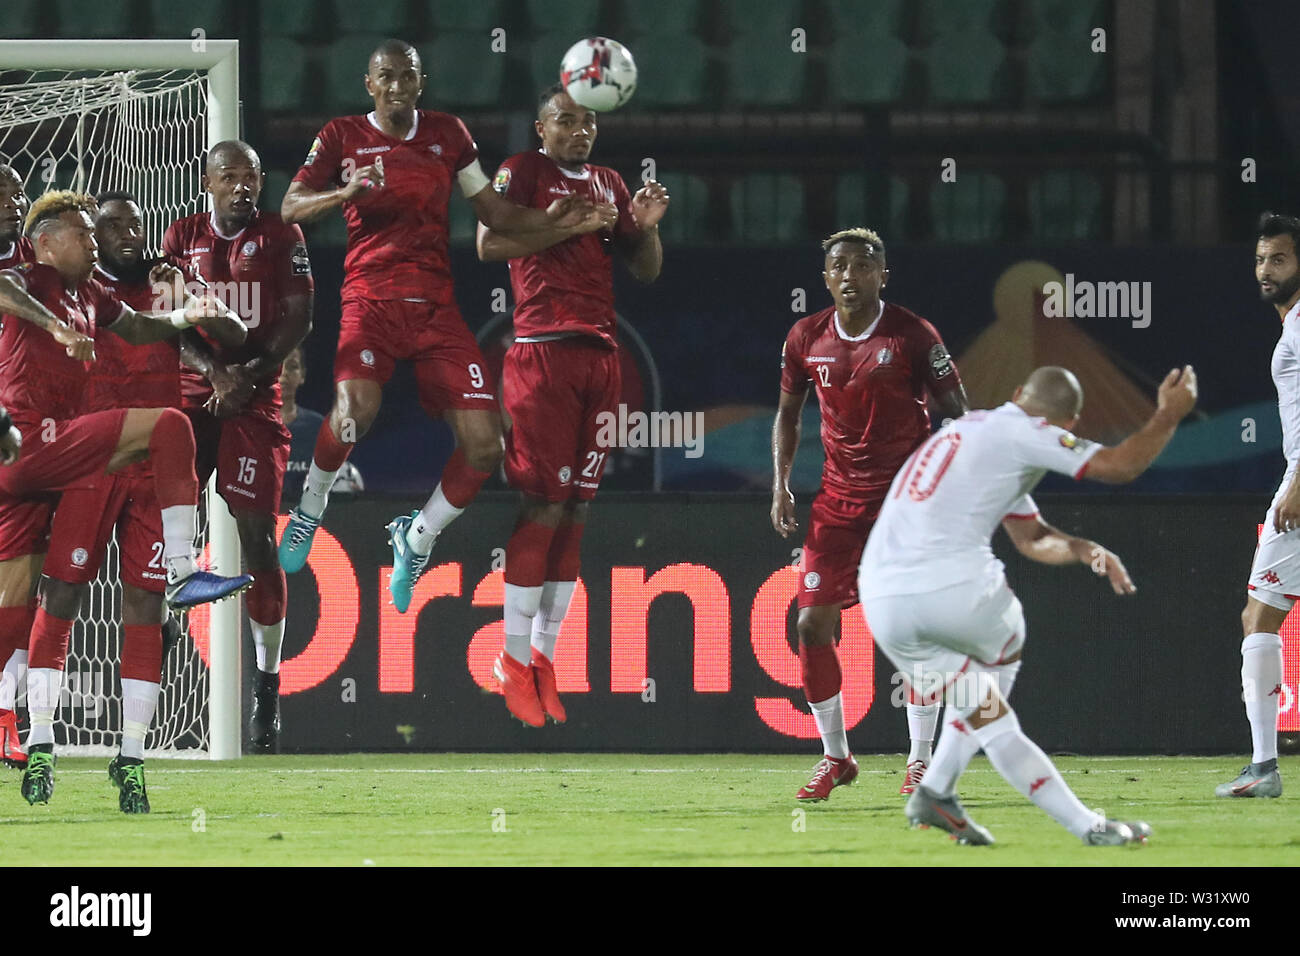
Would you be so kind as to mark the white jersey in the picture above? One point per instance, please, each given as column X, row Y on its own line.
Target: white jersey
column 946, row 502
column 1286, row 378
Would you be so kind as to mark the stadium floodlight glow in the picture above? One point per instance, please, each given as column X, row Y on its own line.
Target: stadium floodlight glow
column 135, row 114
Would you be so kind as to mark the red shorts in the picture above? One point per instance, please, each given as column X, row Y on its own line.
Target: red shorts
column 249, row 454
column 449, row 368
column 57, row 455
column 837, row 533
column 84, row 522
column 553, row 393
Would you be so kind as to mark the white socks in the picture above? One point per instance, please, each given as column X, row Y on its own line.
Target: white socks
column 15, row 670
column 921, row 721
column 1261, row 676
column 521, row 605
column 958, row 745
column 178, row 541
column 44, row 684
column 139, row 701
column 829, row 715
column 316, row 490
column 436, row 514
column 556, row 596
column 1024, row 766
column 266, row 644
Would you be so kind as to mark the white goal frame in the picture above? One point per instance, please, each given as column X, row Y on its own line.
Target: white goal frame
column 220, row 60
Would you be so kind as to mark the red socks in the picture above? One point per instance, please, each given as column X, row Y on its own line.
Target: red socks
column 526, row 553
column 171, row 452
column 15, row 630
column 563, row 560
column 460, row 482
column 819, row 668
column 267, row 599
column 49, row 642
column 142, row 652
column 330, row 453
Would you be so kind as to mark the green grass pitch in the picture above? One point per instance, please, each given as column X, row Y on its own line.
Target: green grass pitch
column 626, row 809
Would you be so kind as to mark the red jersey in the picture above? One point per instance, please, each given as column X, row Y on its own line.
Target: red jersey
column 397, row 237
column 570, row 286
column 871, row 389
column 253, row 272
column 18, row 251
column 37, row 379
column 133, row 376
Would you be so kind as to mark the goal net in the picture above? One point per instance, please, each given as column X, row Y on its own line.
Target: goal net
column 144, row 130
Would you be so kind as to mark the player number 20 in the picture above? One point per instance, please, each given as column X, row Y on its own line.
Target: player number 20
column 475, row 375
column 247, row 470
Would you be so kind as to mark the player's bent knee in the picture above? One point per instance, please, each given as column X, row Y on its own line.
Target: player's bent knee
column 60, row 598
column 814, row 629
column 484, row 455
column 140, row 608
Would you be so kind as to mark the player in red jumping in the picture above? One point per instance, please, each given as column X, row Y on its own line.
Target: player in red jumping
column 17, row 605
column 232, row 394
column 871, row 363
column 561, row 372
column 52, row 308
column 124, row 376
column 392, row 173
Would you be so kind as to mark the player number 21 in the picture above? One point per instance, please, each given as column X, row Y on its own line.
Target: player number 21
column 247, row 470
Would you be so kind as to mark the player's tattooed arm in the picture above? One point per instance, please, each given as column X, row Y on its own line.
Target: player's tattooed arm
column 1039, row 541
column 287, row 335
column 15, row 300
column 232, row 386
column 208, row 313
column 496, row 247
column 785, row 442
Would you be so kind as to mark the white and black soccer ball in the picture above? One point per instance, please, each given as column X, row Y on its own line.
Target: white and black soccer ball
column 349, row 481
column 599, row 74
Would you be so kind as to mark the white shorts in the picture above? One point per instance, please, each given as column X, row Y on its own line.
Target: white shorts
column 1275, row 572
column 940, row 640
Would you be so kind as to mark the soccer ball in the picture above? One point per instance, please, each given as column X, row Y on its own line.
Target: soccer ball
column 599, row 74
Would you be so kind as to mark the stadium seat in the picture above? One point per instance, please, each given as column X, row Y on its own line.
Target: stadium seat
column 873, row 201
column 545, row 53
column 173, row 20
column 462, row 221
column 1061, row 68
column 282, row 69
column 1066, row 204
column 94, row 20
column 671, row 72
column 1068, row 17
column 347, row 60
column 462, row 72
column 767, row 208
column 663, row 16
column 965, row 69
column 764, row 71
column 956, row 18
column 972, row 209
column 869, row 69
column 874, row 19
column 481, row 15
column 291, row 18
column 22, row 19
column 581, row 18
column 327, row 232
column 390, row 17
column 687, row 219
column 273, row 189
column 764, row 16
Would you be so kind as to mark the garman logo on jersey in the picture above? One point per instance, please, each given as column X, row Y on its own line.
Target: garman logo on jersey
column 502, row 181
column 940, row 361
column 559, row 191
column 366, row 150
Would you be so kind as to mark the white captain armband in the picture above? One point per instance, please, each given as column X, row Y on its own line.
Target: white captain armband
column 472, row 179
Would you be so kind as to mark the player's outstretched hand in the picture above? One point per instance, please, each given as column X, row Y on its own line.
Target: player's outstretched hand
column 168, row 283
column 602, row 216
column 1286, row 517
column 783, row 513
column 364, row 180
column 1108, row 565
column 78, row 346
column 569, row 211
column 1177, row 393
column 649, row 205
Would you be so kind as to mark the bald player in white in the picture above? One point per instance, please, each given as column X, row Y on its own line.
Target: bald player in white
column 937, row 600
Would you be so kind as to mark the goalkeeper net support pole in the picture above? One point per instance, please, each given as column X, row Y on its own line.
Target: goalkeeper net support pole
column 136, row 114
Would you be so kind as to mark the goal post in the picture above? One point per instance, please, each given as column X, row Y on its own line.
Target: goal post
column 217, row 62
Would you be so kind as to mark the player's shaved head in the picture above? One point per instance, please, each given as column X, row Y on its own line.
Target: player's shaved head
column 9, row 174
column 1053, row 393
column 232, row 152
column 394, row 48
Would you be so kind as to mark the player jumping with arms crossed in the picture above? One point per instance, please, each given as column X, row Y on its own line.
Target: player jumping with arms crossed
column 392, row 172
column 560, row 374
column 872, row 364
column 937, row 600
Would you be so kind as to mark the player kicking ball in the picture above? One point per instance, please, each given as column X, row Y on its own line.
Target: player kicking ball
column 937, row 600
column 1274, row 579
column 872, row 364
column 560, row 374
column 392, row 173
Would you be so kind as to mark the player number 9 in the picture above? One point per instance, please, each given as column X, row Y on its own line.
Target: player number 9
column 475, row 375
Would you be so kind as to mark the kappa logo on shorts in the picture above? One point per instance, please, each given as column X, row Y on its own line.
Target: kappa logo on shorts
column 1270, row 577
column 80, row 556
column 367, row 357
column 811, row 581
column 565, row 474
